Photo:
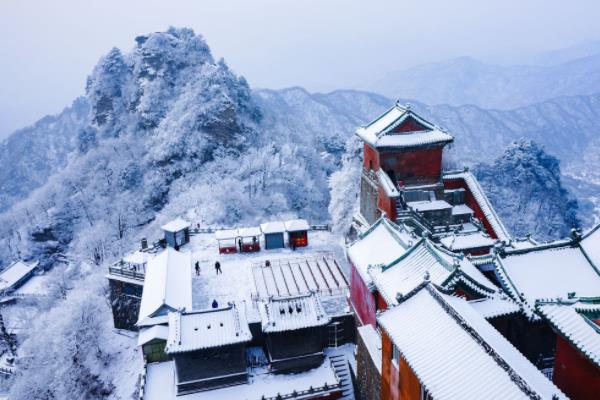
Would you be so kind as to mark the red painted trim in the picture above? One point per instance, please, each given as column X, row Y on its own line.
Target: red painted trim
column 227, row 250
column 573, row 373
column 409, row 125
column 250, row 248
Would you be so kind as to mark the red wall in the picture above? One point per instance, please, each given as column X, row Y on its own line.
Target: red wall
column 410, row 125
column 386, row 204
column 380, row 302
column 362, row 299
column 370, row 154
column 478, row 251
column 390, row 375
column 574, row 374
column 396, row 384
column 472, row 203
column 425, row 164
column 332, row 396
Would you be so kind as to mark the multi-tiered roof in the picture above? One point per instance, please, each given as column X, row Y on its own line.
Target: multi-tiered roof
column 425, row 259
column 456, row 353
column 401, row 127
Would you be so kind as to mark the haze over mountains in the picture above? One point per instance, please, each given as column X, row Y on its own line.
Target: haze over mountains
column 464, row 80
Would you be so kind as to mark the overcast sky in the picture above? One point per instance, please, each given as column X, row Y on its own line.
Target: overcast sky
column 49, row 47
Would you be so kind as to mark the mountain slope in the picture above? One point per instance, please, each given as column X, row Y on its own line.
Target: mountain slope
column 468, row 81
column 565, row 127
column 35, row 153
column 525, row 185
column 169, row 132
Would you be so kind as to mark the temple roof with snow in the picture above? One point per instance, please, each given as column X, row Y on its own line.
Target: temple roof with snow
column 456, row 353
column 15, row 273
column 548, row 271
column 382, row 243
column 480, row 197
column 401, row 127
column 296, row 225
column 167, row 286
column 469, row 240
column 280, row 314
column 176, row 225
column 425, row 259
column 494, row 307
column 197, row 330
column 577, row 321
column 590, row 243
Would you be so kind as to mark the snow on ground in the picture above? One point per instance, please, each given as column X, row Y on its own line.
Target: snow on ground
column 36, row 285
column 161, row 384
column 236, row 283
column 124, row 369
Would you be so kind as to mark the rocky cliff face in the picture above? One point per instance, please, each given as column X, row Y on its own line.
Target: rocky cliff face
column 149, row 117
column 525, row 186
column 165, row 130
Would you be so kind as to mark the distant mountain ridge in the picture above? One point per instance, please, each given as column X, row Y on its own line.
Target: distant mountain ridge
column 465, row 80
column 565, row 126
column 562, row 55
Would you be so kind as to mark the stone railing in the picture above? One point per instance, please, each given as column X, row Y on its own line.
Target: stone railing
column 126, row 270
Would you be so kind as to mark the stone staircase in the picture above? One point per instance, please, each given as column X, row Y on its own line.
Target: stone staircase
column 342, row 370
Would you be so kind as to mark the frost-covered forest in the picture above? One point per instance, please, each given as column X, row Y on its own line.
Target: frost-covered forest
column 166, row 130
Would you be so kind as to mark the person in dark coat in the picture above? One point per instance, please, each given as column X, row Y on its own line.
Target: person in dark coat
column 240, row 244
column 218, row 268
column 197, row 268
column 215, row 304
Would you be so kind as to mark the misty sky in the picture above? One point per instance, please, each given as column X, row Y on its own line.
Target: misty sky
column 49, row 47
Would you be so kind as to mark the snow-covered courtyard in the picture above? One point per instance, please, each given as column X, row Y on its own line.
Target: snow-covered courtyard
column 236, row 282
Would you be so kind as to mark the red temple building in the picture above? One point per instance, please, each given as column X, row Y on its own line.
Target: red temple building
column 577, row 352
column 436, row 346
column 403, row 179
column 388, row 262
column 432, row 265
